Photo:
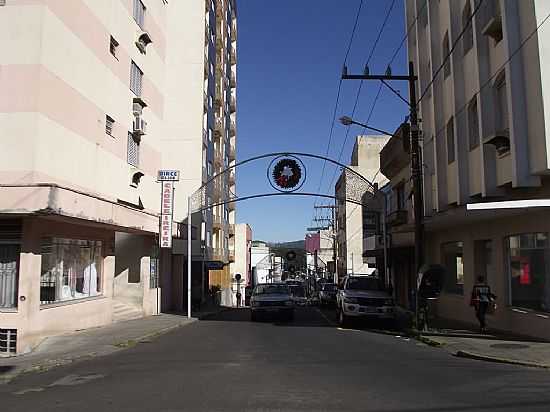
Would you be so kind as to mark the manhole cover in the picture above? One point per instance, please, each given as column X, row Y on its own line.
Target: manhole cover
column 509, row 346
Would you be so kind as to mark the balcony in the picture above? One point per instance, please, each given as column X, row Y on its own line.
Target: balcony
column 232, row 128
column 231, row 255
column 233, row 104
column 233, row 80
column 231, row 230
column 219, row 254
column 231, row 152
column 398, row 217
column 395, row 154
column 217, row 222
column 232, row 177
column 218, row 128
column 233, row 31
column 233, row 57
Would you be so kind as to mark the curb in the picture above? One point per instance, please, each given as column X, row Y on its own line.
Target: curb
column 48, row 364
column 428, row 341
column 494, row 359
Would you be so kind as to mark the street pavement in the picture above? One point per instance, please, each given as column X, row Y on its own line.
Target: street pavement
column 227, row 363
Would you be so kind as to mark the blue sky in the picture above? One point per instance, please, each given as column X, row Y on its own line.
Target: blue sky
column 290, row 55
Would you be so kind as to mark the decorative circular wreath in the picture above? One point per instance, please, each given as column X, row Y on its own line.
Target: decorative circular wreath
column 287, row 173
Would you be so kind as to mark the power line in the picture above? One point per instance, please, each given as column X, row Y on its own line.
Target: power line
column 338, row 96
column 358, row 94
column 466, row 26
column 496, row 73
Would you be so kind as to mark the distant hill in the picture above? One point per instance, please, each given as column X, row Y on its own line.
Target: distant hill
column 296, row 244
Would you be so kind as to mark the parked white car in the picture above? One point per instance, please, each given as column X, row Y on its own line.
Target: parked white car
column 271, row 299
column 363, row 297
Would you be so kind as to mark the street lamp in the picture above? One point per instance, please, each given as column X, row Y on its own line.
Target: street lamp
column 348, row 121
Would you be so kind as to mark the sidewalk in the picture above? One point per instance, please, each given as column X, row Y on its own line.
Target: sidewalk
column 490, row 348
column 63, row 349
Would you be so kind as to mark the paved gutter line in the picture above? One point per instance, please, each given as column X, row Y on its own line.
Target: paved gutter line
column 494, row 359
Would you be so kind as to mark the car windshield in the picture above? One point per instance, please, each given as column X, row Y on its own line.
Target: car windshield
column 298, row 291
column 271, row 290
column 329, row 288
column 364, row 283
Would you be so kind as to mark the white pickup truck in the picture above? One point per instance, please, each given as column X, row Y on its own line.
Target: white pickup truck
column 363, row 297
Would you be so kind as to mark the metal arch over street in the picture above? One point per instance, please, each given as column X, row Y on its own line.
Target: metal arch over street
column 356, row 186
column 197, row 199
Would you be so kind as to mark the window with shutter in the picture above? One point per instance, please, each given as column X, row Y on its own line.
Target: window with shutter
column 450, row 141
column 133, row 150
column 139, row 13
column 136, row 79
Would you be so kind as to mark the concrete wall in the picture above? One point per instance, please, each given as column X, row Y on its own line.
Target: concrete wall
column 35, row 321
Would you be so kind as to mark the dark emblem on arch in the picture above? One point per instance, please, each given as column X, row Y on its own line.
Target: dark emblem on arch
column 288, row 173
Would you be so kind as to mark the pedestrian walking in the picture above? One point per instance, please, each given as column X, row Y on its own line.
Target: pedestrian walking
column 482, row 300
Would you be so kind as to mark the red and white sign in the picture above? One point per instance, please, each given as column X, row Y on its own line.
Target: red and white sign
column 167, row 209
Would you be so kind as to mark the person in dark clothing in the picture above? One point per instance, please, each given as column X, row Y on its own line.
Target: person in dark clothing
column 482, row 297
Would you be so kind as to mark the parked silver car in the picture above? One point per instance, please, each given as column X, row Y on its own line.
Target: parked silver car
column 271, row 299
column 364, row 297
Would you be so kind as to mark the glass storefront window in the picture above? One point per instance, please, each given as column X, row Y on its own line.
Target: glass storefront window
column 453, row 260
column 71, row 269
column 529, row 270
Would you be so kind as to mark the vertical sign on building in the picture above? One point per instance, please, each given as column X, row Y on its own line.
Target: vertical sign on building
column 166, row 178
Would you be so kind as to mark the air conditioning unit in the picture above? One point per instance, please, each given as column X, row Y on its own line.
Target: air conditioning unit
column 140, row 126
column 143, row 40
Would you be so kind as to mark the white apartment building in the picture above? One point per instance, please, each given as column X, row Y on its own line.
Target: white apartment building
column 261, row 261
column 90, row 110
column 486, row 137
column 365, row 160
column 204, row 55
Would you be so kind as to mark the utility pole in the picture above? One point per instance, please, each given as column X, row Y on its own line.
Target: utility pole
column 416, row 161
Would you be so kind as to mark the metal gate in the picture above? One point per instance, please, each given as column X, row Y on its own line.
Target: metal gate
column 9, row 275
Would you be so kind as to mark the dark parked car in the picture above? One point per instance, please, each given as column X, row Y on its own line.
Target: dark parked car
column 271, row 299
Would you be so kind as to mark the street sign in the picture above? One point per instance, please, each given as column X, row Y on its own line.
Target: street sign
column 213, row 265
column 166, row 211
column 168, row 176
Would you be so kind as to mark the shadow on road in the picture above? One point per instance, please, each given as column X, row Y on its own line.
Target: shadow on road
column 6, row 369
column 303, row 317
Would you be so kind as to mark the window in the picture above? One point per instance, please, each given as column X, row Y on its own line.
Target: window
column 113, row 46
column 9, row 275
column 133, row 150
column 501, row 104
column 450, row 141
column 528, row 270
column 71, row 269
column 473, row 124
column 400, row 196
column 109, row 123
column 139, row 13
column 453, row 260
column 445, row 56
column 210, row 169
column 136, row 79
column 467, row 26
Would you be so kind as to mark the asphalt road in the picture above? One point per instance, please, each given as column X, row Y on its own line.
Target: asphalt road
column 228, row 363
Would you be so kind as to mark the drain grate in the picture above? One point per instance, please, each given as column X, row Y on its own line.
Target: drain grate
column 8, row 340
column 509, row 346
